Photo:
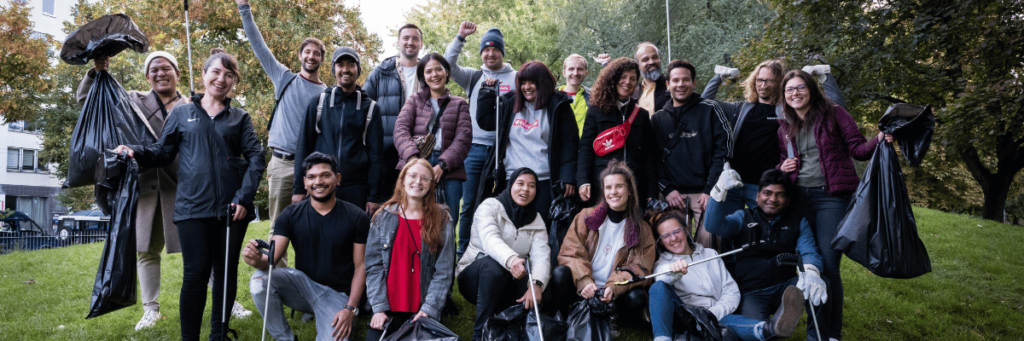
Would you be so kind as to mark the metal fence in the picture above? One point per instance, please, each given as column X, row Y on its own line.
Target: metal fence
column 29, row 243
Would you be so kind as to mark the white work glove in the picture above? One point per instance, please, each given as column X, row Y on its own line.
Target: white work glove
column 729, row 179
column 727, row 72
column 812, row 285
column 818, row 70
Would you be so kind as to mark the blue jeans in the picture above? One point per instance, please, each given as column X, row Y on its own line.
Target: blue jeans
column 664, row 302
column 292, row 288
column 761, row 303
column 452, row 189
column 734, row 201
column 474, row 164
column 824, row 212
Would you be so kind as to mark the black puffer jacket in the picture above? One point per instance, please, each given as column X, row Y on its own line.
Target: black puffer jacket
column 221, row 159
column 385, row 86
column 695, row 161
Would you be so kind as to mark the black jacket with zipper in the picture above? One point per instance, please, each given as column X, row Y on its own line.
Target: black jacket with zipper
column 639, row 151
column 694, row 163
column 341, row 126
column 564, row 139
column 221, row 160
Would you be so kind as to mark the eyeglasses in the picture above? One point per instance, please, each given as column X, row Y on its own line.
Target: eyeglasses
column 798, row 88
column 762, row 81
column 677, row 232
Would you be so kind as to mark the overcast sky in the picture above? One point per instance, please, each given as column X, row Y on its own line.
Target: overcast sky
column 383, row 16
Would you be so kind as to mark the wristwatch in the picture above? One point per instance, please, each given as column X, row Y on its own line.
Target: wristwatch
column 444, row 166
column 355, row 311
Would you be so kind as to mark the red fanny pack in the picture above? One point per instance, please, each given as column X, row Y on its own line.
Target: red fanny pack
column 615, row 137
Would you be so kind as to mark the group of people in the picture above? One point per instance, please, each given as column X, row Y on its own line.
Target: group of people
column 391, row 191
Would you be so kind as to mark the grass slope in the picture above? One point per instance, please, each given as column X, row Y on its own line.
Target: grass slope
column 973, row 293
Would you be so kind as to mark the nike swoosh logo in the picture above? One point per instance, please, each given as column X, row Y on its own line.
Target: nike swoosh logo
column 192, row 119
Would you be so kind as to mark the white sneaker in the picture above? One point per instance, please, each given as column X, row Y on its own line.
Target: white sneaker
column 148, row 319
column 239, row 312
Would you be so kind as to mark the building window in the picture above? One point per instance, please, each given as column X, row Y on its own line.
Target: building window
column 16, row 126
column 31, row 127
column 12, row 158
column 25, row 160
column 28, row 158
column 48, row 7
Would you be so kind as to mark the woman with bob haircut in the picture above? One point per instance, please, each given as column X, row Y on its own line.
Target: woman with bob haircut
column 410, row 253
column 220, row 164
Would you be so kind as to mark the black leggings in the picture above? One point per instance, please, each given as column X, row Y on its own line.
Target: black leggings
column 202, row 249
column 491, row 288
column 563, row 291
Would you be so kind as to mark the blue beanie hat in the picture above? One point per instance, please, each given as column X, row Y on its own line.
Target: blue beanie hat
column 493, row 38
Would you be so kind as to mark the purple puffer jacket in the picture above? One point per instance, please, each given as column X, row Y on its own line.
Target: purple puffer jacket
column 456, row 130
column 835, row 147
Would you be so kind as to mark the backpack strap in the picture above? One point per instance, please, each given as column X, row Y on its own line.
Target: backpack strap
column 369, row 118
column 319, row 111
column 278, row 102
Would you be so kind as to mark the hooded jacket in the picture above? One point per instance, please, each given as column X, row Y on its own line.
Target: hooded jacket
column 836, row 143
column 436, row 269
column 694, row 163
column 220, row 161
column 563, row 142
column 471, row 80
column 456, row 130
column 386, row 86
column 639, row 152
column 339, row 132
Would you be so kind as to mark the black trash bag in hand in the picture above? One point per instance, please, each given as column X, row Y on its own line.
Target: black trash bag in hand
column 912, row 126
column 103, row 37
column 424, row 329
column 589, row 320
column 879, row 230
column 118, row 194
column 518, row 324
column 561, row 213
column 693, row 323
column 108, row 119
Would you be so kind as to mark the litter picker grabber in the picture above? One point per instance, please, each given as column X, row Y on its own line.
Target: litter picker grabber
column 536, row 308
column 754, row 235
column 224, row 304
column 795, row 260
column 269, row 247
column 188, row 42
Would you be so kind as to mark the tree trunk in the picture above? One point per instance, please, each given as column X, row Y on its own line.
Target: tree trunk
column 995, row 186
column 995, row 199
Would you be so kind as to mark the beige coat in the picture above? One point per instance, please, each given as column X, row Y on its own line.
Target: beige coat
column 156, row 186
column 494, row 234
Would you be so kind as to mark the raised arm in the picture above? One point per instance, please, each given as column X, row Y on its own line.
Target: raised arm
column 271, row 66
column 461, row 75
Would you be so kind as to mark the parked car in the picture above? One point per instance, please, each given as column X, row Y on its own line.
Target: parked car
column 91, row 225
column 19, row 232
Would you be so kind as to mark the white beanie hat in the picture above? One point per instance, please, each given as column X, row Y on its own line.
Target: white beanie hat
column 160, row 54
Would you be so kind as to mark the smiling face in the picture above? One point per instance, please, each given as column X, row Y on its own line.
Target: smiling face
column 672, row 236
column 346, row 70
column 417, row 181
column 650, row 62
column 627, row 84
column 218, row 80
column 493, row 58
column 311, row 57
column 680, row 84
column 524, row 189
column 616, row 192
column 410, row 41
column 765, row 84
column 529, row 91
column 574, row 71
column 435, row 75
column 772, row 200
column 321, row 181
column 797, row 95
column 162, row 76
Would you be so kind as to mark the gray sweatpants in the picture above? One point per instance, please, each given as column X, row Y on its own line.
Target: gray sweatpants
column 292, row 288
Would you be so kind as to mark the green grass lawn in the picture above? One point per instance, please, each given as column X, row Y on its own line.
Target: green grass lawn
column 973, row 293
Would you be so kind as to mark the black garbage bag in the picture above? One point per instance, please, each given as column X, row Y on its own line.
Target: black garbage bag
column 103, row 37
column 424, row 329
column 694, row 323
column 912, row 126
column 118, row 195
column 589, row 320
column 879, row 230
column 561, row 214
column 518, row 324
column 108, row 119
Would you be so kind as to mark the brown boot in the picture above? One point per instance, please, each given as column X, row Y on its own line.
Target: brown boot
column 787, row 316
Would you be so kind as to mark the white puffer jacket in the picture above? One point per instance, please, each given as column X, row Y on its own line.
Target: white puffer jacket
column 707, row 284
column 494, row 234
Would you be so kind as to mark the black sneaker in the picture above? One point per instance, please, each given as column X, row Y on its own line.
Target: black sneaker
column 787, row 316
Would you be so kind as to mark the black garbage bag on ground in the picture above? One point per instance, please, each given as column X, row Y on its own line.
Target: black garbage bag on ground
column 912, row 126
column 117, row 195
column 103, row 37
column 424, row 329
column 695, row 323
column 518, row 324
column 879, row 230
column 589, row 320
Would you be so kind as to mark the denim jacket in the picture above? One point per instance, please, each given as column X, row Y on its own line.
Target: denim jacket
column 437, row 269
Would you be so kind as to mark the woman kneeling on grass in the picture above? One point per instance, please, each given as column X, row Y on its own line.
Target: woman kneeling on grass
column 492, row 273
column 707, row 285
column 410, row 253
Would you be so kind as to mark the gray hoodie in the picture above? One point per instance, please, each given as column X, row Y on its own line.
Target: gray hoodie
column 466, row 75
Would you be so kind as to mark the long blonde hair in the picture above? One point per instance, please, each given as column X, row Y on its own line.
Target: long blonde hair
column 777, row 69
column 434, row 215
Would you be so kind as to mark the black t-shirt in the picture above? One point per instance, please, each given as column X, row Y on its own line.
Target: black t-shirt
column 757, row 146
column 323, row 244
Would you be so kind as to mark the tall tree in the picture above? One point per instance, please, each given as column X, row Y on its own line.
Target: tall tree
column 964, row 58
column 23, row 61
